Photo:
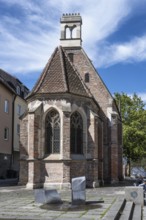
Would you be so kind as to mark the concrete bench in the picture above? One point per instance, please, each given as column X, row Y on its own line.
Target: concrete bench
column 115, row 211
column 127, row 211
column 137, row 213
column 124, row 210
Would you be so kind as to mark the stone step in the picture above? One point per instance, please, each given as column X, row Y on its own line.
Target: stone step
column 124, row 210
column 127, row 211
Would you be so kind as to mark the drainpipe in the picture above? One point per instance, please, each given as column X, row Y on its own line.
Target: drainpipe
column 13, row 129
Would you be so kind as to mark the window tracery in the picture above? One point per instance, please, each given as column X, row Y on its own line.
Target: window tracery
column 76, row 131
column 52, row 132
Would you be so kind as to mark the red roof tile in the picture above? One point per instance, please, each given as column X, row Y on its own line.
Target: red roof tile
column 60, row 76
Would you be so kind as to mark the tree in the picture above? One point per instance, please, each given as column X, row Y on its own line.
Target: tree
column 134, row 125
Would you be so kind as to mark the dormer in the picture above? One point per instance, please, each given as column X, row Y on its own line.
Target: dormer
column 71, row 30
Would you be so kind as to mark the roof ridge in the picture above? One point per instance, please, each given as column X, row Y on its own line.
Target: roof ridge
column 63, row 68
column 84, row 85
column 3, row 81
column 96, row 72
column 9, row 75
column 40, row 79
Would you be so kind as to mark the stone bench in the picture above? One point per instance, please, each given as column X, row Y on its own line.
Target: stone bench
column 45, row 196
column 127, row 211
column 135, row 194
column 137, row 213
column 115, row 210
column 124, row 210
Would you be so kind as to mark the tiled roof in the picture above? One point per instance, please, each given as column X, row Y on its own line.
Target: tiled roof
column 7, row 85
column 60, row 76
column 11, row 80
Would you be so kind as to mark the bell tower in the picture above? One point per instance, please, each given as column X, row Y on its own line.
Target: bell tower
column 71, row 30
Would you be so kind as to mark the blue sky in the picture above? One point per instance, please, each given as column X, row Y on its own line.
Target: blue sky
column 113, row 33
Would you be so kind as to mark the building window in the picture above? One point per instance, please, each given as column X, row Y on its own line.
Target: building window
column 52, row 127
column 70, row 32
column 87, row 78
column 25, row 94
column 6, row 133
column 71, row 57
column 6, row 106
column 18, row 128
column 19, row 109
column 76, row 133
column 18, row 90
column 67, row 33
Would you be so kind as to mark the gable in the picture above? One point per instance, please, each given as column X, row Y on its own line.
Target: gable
column 94, row 83
column 60, row 76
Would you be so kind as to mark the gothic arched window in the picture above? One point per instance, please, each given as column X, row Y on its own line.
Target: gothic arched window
column 76, row 131
column 52, row 132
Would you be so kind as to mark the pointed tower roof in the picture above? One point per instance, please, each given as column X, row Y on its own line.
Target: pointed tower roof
column 60, row 76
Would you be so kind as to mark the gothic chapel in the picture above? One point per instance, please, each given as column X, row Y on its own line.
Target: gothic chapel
column 72, row 126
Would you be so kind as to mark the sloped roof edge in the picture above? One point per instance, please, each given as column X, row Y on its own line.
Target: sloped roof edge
column 40, row 79
column 75, row 70
column 65, row 82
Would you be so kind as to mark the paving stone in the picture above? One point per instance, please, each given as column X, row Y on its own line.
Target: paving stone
column 26, row 217
column 66, row 218
column 18, row 204
column 91, row 217
column 75, row 215
column 7, row 217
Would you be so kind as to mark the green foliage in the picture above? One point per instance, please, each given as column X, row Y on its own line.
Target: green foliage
column 134, row 125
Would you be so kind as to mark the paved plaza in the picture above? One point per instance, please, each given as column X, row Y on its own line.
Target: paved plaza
column 17, row 202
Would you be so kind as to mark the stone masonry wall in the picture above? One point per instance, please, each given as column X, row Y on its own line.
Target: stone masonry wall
column 53, row 171
column 24, row 138
column 23, row 174
column 104, row 99
column 96, row 85
column 78, row 168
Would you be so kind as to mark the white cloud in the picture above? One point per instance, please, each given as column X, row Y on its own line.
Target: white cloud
column 28, row 39
column 143, row 96
column 133, row 51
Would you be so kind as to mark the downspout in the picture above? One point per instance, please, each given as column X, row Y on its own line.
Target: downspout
column 13, row 129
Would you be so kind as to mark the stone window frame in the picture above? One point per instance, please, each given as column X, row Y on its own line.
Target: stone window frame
column 47, row 107
column 75, row 107
column 51, row 122
column 87, row 77
column 76, row 133
column 70, row 31
column 85, row 132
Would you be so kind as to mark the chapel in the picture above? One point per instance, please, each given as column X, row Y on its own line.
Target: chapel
column 72, row 126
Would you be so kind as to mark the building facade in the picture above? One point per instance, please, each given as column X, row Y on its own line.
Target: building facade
column 12, row 106
column 72, row 127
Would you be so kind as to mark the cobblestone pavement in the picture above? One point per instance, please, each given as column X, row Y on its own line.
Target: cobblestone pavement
column 18, row 203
